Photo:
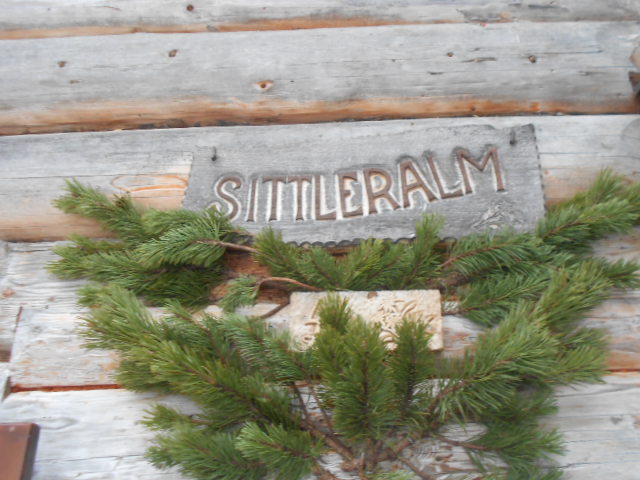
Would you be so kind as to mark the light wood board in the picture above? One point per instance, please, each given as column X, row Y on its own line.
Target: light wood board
column 46, row 18
column 154, row 166
column 25, row 283
column 93, row 435
column 178, row 80
column 89, row 435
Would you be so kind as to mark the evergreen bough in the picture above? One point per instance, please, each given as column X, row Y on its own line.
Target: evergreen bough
column 269, row 409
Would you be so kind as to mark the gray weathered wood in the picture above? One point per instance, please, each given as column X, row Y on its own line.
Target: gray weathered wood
column 7, row 323
column 4, row 379
column 26, row 283
column 89, row 435
column 373, row 185
column 94, row 435
column 48, row 352
column 111, row 82
column 72, row 17
column 154, row 166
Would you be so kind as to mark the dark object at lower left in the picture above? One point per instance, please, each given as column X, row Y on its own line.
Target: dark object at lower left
column 18, row 442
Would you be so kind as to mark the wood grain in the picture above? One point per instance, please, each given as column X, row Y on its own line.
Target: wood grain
column 140, row 81
column 54, row 18
column 96, row 434
column 89, row 434
column 4, row 380
column 154, row 166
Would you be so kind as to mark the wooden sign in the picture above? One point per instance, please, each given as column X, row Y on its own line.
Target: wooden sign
column 340, row 189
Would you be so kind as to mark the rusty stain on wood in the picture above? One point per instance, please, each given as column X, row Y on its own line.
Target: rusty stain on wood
column 92, row 30
column 202, row 111
column 295, row 23
column 62, row 388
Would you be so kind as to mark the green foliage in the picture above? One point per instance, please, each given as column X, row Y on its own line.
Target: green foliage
column 159, row 255
column 242, row 292
column 270, row 409
column 290, row 453
column 371, row 265
column 120, row 216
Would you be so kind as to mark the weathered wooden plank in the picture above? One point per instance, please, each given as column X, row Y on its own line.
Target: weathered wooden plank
column 48, row 353
column 131, row 81
column 572, row 151
column 156, row 178
column 25, row 283
column 48, row 18
column 89, row 435
column 96, row 434
column 7, row 323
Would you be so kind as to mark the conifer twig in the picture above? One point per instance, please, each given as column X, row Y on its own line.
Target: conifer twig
column 458, row 443
column 274, row 310
column 331, row 438
column 228, row 245
column 289, row 280
column 414, row 468
column 323, row 473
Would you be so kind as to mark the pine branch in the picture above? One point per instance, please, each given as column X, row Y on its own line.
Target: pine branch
column 290, row 281
column 120, row 215
column 228, row 245
column 255, row 386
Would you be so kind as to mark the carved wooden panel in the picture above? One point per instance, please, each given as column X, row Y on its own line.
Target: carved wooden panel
column 328, row 190
column 385, row 308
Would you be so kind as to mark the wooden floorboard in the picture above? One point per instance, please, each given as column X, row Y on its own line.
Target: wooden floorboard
column 96, row 434
column 303, row 76
column 48, row 18
column 154, row 166
column 88, row 435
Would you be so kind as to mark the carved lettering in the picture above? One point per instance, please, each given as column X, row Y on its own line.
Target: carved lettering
column 320, row 195
column 381, row 193
column 436, row 176
column 232, row 202
column 251, row 214
column 408, row 165
column 344, row 180
column 275, row 195
column 476, row 176
column 299, row 181
column 463, row 156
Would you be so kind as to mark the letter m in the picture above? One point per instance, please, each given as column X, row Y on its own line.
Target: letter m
column 491, row 153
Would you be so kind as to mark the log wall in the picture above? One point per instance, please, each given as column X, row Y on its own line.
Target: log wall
column 75, row 72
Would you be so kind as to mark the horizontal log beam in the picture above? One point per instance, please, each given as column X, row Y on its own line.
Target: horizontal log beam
column 154, row 166
column 178, row 80
column 57, row 18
